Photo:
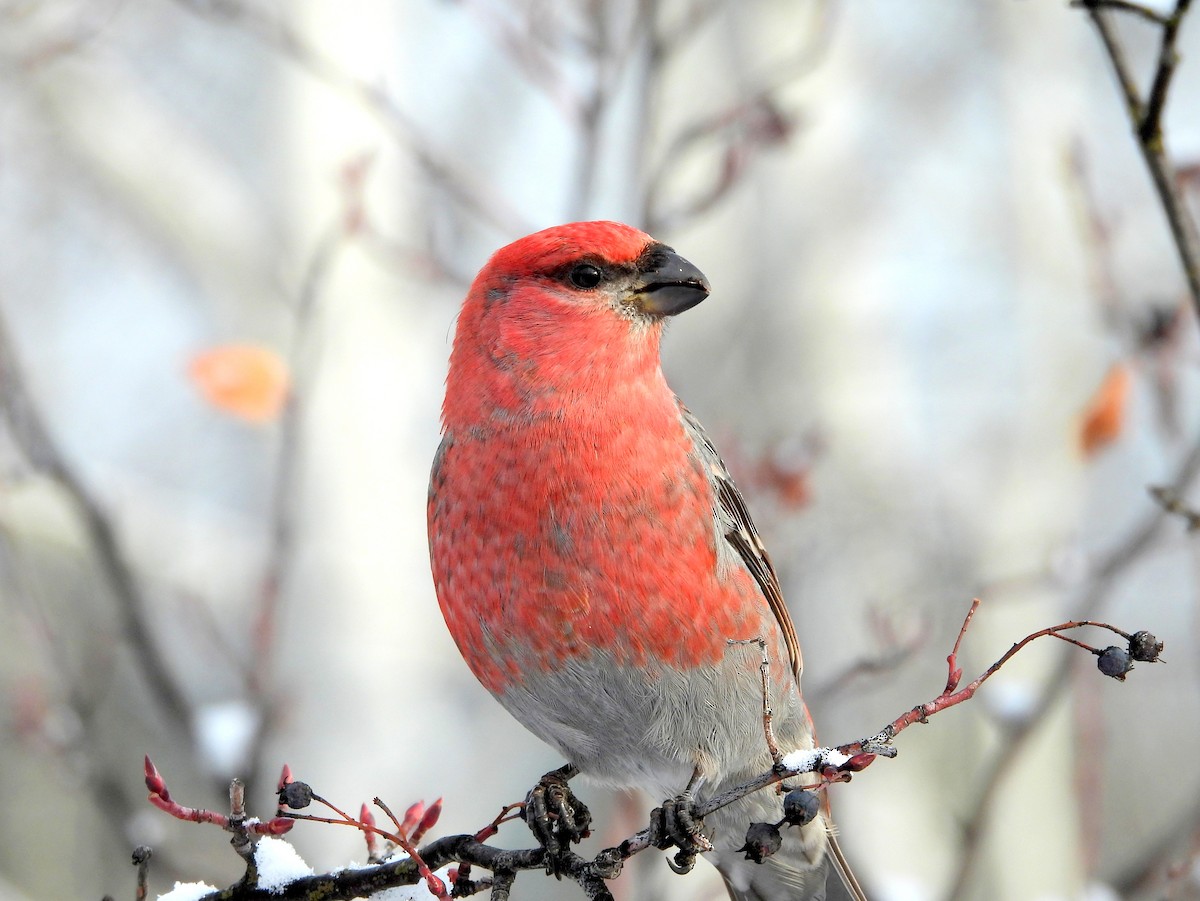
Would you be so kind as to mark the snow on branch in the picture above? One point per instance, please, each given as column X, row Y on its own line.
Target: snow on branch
column 444, row 867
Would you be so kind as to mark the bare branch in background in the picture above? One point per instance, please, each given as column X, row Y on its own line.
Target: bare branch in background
column 471, row 192
column 1154, row 335
column 21, row 412
column 304, row 363
column 755, row 121
column 1126, row 6
column 603, row 68
column 1168, row 868
column 604, row 48
column 1145, row 114
column 888, row 661
column 529, row 43
column 281, row 524
column 1097, row 235
column 1171, row 502
column 1101, row 582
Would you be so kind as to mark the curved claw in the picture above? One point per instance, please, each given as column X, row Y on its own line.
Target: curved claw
column 675, row 824
column 555, row 816
column 683, row 863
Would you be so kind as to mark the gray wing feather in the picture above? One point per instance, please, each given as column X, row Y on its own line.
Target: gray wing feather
column 738, row 528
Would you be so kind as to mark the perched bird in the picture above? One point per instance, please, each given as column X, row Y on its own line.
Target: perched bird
column 593, row 559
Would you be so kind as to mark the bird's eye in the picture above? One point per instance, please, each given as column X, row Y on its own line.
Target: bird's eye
column 585, row 275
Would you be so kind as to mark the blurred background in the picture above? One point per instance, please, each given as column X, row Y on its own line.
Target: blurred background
column 948, row 350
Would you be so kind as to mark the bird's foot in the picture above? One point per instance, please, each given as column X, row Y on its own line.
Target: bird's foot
column 675, row 824
column 555, row 816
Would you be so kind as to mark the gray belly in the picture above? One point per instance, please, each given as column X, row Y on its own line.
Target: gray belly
column 632, row 728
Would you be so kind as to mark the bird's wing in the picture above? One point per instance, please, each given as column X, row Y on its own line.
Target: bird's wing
column 734, row 519
column 739, row 530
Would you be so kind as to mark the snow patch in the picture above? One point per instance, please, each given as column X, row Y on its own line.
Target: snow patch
column 188, row 891
column 278, row 864
column 808, row 761
column 418, row 892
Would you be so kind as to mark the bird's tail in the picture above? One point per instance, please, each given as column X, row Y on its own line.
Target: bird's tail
column 849, row 881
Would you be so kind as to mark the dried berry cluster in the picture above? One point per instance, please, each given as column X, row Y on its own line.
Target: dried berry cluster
column 1117, row 662
column 800, row 807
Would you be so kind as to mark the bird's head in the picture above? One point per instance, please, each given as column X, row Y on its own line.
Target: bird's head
column 595, row 266
column 566, row 306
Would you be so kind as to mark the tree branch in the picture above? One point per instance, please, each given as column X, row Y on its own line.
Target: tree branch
column 487, row 204
column 32, row 436
column 1146, row 118
column 832, row 764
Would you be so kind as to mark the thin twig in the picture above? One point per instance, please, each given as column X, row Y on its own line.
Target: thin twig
column 302, row 364
column 1100, row 584
column 1151, row 126
column 470, row 192
column 954, row 675
column 1172, row 503
column 1145, row 117
column 1136, row 9
column 1146, row 125
column 754, row 121
column 835, row 763
column 768, row 715
column 141, row 860
column 530, row 55
column 831, row 764
column 953, row 696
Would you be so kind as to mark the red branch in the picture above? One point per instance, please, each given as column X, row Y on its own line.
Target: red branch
column 832, row 764
column 950, row 697
column 160, row 797
column 418, row 820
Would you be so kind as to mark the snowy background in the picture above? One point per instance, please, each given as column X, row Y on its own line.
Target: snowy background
column 930, row 236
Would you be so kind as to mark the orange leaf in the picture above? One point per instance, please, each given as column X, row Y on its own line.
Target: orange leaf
column 1104, row 416
column 244, row 380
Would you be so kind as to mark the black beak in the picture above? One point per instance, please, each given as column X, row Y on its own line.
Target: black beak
column 667, row 284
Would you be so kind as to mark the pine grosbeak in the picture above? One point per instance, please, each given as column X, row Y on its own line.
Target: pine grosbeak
column 592, row 557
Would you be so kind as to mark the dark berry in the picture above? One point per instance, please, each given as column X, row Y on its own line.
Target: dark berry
column 1114, row 662
column 1145, row 647
column 762, row 840
column 295, row 795
column 800, row 807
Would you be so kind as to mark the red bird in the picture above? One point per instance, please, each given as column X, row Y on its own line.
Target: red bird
column 592, row 557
